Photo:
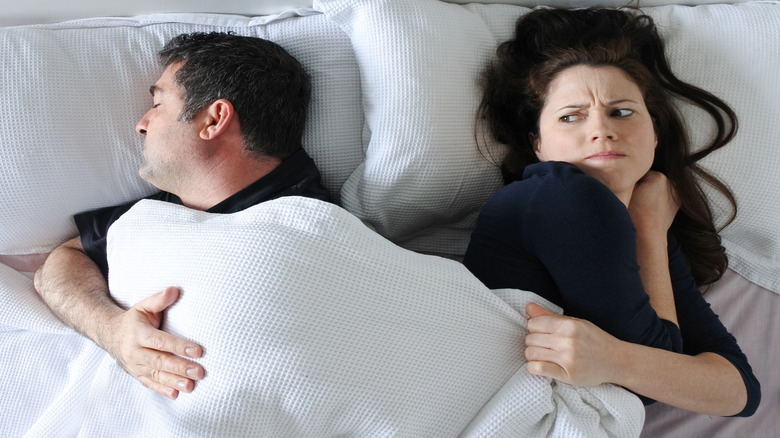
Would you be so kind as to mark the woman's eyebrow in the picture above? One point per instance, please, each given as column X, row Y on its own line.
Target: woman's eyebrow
column 572, row 106
column 619, row 101
column 608, row 103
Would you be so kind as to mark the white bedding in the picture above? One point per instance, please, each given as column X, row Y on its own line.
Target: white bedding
column 313, row 325
column 392, row 117
column 365, row 135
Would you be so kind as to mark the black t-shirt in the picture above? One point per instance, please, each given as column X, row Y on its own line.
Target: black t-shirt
column 295, row 176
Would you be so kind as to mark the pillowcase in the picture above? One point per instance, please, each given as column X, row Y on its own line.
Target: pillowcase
column 423, row 180
column 419, row 62
column 594, row 3
column 314, row 325
column 737, row 70
column 75, row 90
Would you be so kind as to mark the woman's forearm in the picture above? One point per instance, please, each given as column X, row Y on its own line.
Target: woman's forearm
column 653, row 260
column 706, row 383
column 652, row 208
column 577, row 352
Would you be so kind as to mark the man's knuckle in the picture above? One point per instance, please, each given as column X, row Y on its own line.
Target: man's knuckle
column 157, row 362
column 156, row 342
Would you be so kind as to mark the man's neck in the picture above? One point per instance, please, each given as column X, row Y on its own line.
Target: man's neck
column 225, row 179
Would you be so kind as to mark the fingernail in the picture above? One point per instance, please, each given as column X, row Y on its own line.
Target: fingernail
column 182, row 384
column 192, row 372
column 191, row 351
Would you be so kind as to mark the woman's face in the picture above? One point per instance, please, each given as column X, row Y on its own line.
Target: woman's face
column 596, row 119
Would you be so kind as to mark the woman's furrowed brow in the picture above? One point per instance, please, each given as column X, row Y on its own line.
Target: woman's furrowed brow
column 608, row 103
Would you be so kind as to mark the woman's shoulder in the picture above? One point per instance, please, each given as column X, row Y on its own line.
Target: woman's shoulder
column 551, row 172
column 553, row 178
column 553, row 188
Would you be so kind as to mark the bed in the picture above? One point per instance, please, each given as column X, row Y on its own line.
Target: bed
column 379, row 330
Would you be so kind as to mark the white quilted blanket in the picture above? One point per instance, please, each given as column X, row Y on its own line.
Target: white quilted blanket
column 312, row 325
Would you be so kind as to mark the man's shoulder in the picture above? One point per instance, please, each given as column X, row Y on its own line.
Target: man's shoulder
column 302, row 177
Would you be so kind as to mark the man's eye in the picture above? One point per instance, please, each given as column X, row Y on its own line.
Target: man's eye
column 623, row 112
column 568, row 118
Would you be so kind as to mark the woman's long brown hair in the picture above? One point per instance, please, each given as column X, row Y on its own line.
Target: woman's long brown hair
column 546, row 42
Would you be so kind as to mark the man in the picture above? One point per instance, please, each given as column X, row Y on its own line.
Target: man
column 223, row 134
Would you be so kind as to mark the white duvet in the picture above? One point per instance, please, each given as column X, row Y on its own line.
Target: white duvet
column 313, row 325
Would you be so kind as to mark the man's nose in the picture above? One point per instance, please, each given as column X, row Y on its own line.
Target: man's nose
column 140, row 127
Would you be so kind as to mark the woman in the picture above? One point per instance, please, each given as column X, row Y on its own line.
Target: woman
column 601, row 181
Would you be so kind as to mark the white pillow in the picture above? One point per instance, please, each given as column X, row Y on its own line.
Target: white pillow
column 594, row 3
column 423, row 180
column 314, row 325
column 419, row 61
column 74, row 91
column 741, row 69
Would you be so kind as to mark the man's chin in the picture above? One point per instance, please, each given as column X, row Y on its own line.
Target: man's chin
column 146, row 173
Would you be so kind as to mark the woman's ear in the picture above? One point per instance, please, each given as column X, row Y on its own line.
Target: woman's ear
column 536, row 144
column 216, row 118
column 655, row 132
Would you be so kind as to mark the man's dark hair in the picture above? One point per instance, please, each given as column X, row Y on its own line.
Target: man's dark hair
column 268, row 88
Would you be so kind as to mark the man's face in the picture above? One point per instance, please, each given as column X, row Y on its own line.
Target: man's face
column 170, row 144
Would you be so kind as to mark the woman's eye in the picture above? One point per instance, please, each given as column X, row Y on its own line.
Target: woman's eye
column 623, row 112
column 568, row 118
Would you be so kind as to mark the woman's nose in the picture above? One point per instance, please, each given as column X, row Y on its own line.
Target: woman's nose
column 602, row 128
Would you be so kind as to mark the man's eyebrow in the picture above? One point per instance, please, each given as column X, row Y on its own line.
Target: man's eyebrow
column 154, row 89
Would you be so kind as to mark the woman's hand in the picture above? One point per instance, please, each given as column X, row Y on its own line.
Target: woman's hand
column 653, row 204
column 577, row 352
column 570, row 350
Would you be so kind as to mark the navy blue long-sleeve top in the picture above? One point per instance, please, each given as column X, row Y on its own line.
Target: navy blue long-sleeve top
column 565, row 236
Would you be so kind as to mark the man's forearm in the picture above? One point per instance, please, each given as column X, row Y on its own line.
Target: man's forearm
column 72, row 285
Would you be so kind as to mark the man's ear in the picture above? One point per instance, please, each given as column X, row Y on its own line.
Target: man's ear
column 216, row 118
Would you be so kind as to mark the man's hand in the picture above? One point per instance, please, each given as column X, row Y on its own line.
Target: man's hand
column 570, row 350
column 73, row 287
column 155, row 358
